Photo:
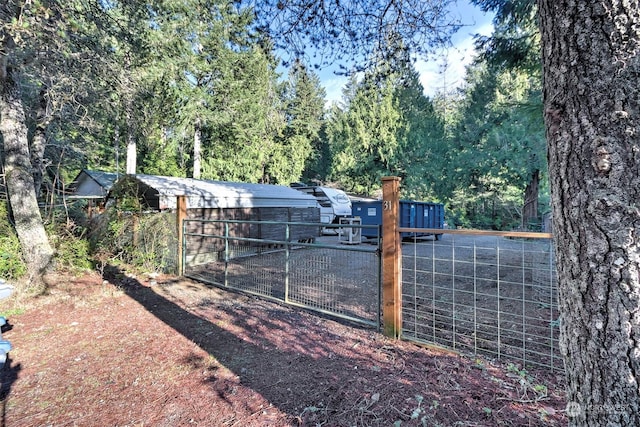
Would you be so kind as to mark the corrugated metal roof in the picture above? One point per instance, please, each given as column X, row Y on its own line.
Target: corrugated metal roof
column 223, row 194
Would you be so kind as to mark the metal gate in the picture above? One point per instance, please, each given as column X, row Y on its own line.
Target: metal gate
column 303, row 264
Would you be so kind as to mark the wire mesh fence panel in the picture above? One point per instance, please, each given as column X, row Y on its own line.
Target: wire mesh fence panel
column 483, row 294
column 336, row 280
column 258, row 273
column 318, row 273
column 239, row 265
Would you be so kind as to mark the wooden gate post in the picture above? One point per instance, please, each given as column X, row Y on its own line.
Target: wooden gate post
column 391, row 258
column 181, row 214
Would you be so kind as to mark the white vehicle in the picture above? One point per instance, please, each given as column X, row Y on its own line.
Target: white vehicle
column 334, row 204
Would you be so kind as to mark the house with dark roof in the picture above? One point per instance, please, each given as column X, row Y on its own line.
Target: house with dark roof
column 92, row 185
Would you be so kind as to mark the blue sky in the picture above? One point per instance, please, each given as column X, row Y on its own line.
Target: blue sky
column 474, row 21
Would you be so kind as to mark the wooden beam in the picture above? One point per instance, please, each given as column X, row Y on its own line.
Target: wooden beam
column 472, row 232
column 391, row 258
column 181, row 214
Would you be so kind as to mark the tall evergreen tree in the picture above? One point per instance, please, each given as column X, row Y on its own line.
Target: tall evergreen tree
column 388, row 126
column 364, row 138
column 244, row 139
column 514, row 46
column 304, row 99
column 201, row 47
column 424, row 149
column 515, row 41
column 499, row 148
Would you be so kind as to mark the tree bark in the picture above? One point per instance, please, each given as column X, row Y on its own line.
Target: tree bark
column 132, row 148
column 592, row 106
column 530, row 206
column 36, row 250
column 39, row 143
column 197, row 150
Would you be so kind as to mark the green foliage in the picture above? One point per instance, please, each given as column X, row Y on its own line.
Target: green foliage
column 387, row 126
column 364, row 138
column 423, row 147
column 11, row 264
column 493, row 206
column 68, row 56
column 515, row 42
column 13, row 312
column 318, row 165
column 300, row 145
column 244, row 141
column 160, row 155
column 210, row 76
column 498, row 144
column 72, row 250
column 129, row 195
column 144, row 241
column 156, row 243
column 527, row 386
column 66, row 228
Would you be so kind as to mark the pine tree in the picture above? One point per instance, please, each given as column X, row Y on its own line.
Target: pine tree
column 301, row 142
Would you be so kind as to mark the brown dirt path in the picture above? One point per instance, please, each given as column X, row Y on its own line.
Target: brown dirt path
column 174, row 352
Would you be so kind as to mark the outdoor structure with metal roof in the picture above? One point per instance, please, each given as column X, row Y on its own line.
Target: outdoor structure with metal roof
column 92, row 184
column 161, row 192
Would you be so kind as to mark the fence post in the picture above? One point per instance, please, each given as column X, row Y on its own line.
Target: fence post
column 391, row 258
column 181, row 214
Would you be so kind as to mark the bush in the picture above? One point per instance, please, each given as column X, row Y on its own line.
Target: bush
column 156, row 243
column 72, row 251
column 12, row 266
column 141, row 240
column 67, row 234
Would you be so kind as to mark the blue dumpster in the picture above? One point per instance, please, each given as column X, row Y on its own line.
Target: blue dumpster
column 413, row 214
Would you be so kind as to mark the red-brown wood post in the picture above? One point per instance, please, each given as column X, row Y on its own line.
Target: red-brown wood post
column 181, row 214
column 391, row 258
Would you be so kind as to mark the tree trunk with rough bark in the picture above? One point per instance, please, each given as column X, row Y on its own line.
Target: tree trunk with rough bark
column 36, row 249
column 591, row 62
column 39, row 143
column 530, row 206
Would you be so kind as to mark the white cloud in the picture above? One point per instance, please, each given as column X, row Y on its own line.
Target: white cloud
column 333, row 87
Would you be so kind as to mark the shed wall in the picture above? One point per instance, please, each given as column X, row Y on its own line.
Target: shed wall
column 200, row 244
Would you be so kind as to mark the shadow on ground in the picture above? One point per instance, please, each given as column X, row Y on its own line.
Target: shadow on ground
column 8, row 375
column 321, row 372
column 304, row 371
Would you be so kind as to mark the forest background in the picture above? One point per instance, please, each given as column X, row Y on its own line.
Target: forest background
column 193, row 88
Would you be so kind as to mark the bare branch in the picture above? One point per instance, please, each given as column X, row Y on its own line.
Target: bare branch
column 350, row 33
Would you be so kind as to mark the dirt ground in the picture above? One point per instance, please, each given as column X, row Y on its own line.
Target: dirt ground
column 173, row 352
